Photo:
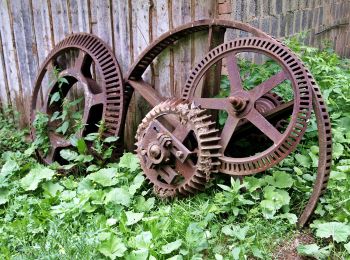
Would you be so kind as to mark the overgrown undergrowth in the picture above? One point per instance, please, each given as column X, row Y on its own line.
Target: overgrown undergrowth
column 111, row 211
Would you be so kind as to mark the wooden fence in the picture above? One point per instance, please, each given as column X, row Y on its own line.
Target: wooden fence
column 30, row 28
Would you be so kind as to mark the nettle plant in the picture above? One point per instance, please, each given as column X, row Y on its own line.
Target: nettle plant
column 88, row 152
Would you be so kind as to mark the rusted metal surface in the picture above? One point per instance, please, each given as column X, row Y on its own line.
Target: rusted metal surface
column 240, row 104
column 174, row 167
column 96, row 70
column 178, row 142
column 266, row 108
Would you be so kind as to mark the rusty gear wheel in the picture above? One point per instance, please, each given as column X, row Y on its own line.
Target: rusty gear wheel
column 134, row 80
column 241, row 104
column 176, row 166
column 86, row 61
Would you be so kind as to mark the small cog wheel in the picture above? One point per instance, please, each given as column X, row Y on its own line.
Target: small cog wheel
column 174, row 162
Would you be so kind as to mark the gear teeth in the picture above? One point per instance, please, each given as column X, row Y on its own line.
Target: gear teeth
column 212, row 147
column 208, row 145
column 210, row 139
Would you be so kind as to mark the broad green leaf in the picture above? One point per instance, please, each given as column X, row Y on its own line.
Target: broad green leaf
column 4, row 196
column 280, row 179
column 110, row 139
column 347, row 247
column 118, row 196
column 143, row 240
column 63, row 128
column 143, row 205
column 9, row 167
column 129, row 161
column 91, row 137
column 313, row 250
column 170, row 247
column 235, row 231
column 136, row 184
column 104, row 177
column 292, row 218
column 113, row 247
column 140, row 254
column 338, row 150
column 68, row 155
column 236, row 251
column 55, row 97
column 35, row 176
column 81, row 145
column 337, row 230
column 303, row 160
column 54, row 116
column 52, row 189
column 133, row 217
column 62, row 80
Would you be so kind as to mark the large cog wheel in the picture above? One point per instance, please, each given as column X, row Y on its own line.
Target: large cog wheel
column 85, row 61
column 173, row 166
column 241, row 103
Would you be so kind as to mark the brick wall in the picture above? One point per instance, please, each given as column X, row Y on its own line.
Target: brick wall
column 324, row 19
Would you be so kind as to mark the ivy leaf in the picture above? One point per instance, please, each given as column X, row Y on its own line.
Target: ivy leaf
column 112, row 247
column 118, row 196
column 68, row 155
column 132, row 217
column 171, row 247
column 129, row 161
column 104, row 177
column 35, row 176
column 339, row 231
column 280, row 179
column 4, row 194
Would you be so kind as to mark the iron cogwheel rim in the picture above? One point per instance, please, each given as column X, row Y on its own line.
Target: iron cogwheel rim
column 205, row 133
column 111, row 82
column 297, row 126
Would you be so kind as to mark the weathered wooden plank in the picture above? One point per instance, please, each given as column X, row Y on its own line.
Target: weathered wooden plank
column 25, row 45
column 4, row 87
column 121, row 28
column 9, row 52
column 200, row 45
column 101, row 21
column 79, row 15
column 42, row 28
column 140, row 26
column 181, row 14
column 59, row 16
column 162, row 72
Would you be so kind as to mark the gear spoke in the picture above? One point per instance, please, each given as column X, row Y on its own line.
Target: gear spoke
column 228, row 130
column 233, row 73
column 268, row 85
column 212, row 103
column 264, row 126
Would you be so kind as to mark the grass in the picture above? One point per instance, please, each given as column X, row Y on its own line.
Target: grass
column 111, row 212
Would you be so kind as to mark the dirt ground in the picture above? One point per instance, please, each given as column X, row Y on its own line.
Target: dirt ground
column 288, row 250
